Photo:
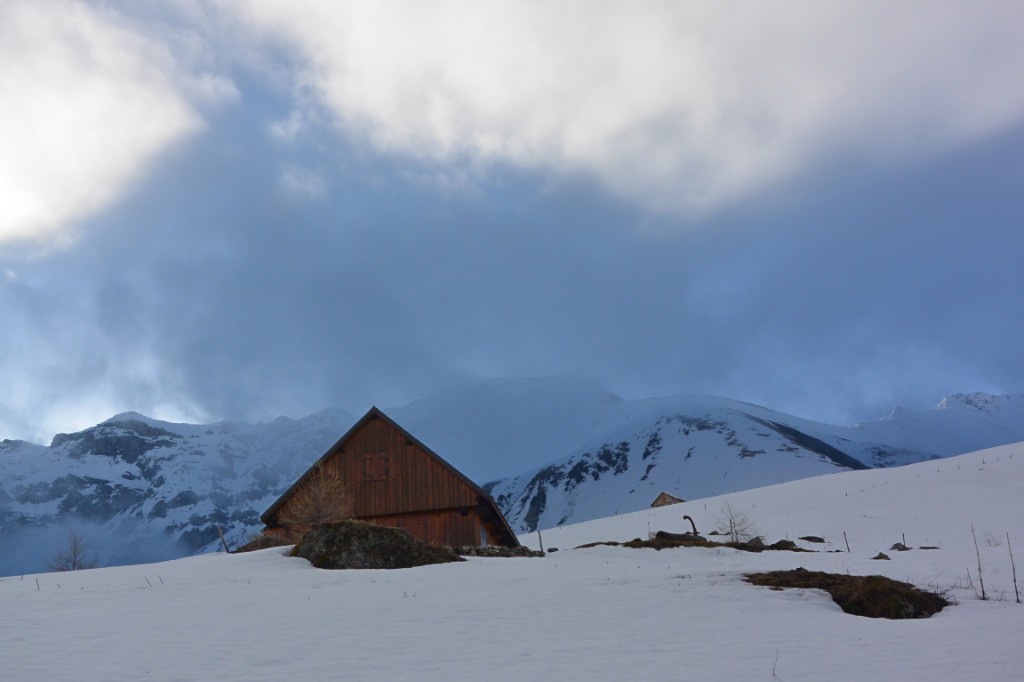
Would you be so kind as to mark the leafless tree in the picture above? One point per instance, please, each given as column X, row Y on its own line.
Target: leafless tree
column 734, row 523
column 73, row 556
column 322, row 498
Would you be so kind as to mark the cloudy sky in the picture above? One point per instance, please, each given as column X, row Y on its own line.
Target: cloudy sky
column 244, row 208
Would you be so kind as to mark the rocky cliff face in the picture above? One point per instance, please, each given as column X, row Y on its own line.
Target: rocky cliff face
column 140, row 490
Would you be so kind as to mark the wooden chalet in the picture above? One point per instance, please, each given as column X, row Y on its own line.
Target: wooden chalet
column 397, row 481
column 665, row 499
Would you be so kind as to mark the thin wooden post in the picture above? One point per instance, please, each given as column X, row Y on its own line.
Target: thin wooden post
column 978, row 552
column 540, row 541
column 847, row 542
column 1016, row 592
column 222, row 540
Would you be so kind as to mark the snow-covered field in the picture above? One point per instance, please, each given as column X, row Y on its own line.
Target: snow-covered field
column 605, row 613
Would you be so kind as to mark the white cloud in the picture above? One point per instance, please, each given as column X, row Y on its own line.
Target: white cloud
column 302, row 183
column 679, row 106
column 87, row 104
column 288, row 128
column 212, row 89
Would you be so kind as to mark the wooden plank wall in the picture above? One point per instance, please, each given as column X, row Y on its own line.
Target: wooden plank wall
column 412, row 480
column 442, row 527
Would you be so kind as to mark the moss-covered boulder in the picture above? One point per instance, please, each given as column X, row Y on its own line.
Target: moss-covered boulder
column 356, row 544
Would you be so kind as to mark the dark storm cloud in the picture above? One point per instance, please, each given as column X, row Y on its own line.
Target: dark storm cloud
column 285, row 259
column 223, row 292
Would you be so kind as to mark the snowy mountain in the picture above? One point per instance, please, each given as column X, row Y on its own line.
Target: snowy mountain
column 960, row 423
column 698, row 446
column 140, row 489
column 692, row 447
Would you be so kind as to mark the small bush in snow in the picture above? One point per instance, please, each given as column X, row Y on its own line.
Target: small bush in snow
column 73, row 556
column 735, row 524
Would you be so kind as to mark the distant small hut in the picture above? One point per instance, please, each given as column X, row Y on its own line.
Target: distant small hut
column 665, row 499
column 395, row 480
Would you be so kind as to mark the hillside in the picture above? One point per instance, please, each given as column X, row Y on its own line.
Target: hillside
column 140, row 489
column 700, row 446
column 606, row 613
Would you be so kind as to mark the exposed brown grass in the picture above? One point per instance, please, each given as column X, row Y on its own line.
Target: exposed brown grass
column 652, row 543
column 659, row 541
column 873, row 596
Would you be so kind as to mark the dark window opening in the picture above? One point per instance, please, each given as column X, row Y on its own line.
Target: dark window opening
column 375, row 468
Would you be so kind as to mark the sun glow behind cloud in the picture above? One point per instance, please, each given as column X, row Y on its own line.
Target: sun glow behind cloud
column 678, row 106
column 87, row 104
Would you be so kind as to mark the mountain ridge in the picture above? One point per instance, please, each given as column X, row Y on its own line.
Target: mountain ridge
column 143, row 489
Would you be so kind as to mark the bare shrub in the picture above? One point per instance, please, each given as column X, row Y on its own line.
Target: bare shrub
column 73, row 556
column 322, row 498
column 735, row 524
column 992, row 540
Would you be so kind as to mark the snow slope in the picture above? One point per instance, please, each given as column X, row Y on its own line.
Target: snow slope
column 605, row 613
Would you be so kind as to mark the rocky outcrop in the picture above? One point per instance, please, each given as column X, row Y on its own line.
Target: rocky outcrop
column 356, row 544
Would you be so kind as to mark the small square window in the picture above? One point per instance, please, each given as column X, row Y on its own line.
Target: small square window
column 375, row 468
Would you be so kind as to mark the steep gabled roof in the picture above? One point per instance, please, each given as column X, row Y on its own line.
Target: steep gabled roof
column 666, row 499
column 483, row 498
